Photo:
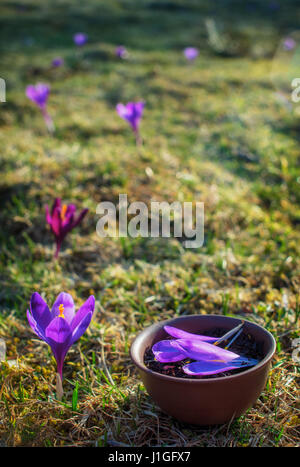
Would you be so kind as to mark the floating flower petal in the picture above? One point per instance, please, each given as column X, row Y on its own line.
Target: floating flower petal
column 165, row 352
column 203, row 368
column 180, row 334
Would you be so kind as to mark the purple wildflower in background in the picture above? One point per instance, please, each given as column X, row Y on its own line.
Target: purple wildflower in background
column 289, row 43
column 132, row 112
column 121, row 52
column 39, row 95
column 209, row 358
column 60, row 327
column 57, row 62
column 80, row 38
column 62, row 221
column 190, row 53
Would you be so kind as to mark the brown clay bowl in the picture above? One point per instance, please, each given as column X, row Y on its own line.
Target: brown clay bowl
column 204, row 401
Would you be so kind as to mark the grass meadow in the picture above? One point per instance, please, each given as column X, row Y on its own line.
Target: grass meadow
column 216, row 130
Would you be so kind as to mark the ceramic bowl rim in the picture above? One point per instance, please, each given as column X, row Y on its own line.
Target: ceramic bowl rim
column 139, row 338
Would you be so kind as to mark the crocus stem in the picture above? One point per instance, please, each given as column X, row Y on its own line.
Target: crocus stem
column 229, row 334
column 57, row 250
column 138, row 138
column 234, row 338
column 48, row 121
column 59, row 387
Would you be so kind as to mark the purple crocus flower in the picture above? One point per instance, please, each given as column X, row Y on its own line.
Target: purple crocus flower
column 209, row 358
column 61, row 326
column 80, row 38
column 121, row 52
column 62, row 221
column 57, row 62
column 289, row 43
column 132, row 112
column 39, row 94
column 191, row 53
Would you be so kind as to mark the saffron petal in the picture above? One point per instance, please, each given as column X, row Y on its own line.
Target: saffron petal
column 35, row 327
column 66, row 300
column 165, row 352
column 79, row 218
column 40, row 311
column 82, row 327
column 87, row 307
column 180, row 334
column 198, row 350
column 206, row 368
column 203, row 368
column 59, row 336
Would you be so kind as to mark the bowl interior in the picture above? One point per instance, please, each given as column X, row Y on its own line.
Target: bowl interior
column 199, row 324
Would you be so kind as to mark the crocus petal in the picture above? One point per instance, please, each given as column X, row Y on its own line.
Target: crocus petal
column 48, row 216
column 56, row 222
column 198, row 350
column 82, row 326
column 59, row 336
column 56, row 205
column 165, row 352
column 66, row 300
column 79, row 218
column 59, row 331
column 180, row 334
column 122, row 111
column 206, row 368
column 139, row 108
column 40, row 311
column 214, row 367
column 87, row 307
column 68, row 216
column 82, row 318
column 35, row 327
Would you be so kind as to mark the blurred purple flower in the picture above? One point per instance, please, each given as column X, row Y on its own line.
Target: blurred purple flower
column 61, row 220
column 289, row 43
column 61, row 326
column 39, row 94
column 132, row 112
column 209, row 358
column 80, row 38
column 57, row 62
column 121, row 52
column 191, row 53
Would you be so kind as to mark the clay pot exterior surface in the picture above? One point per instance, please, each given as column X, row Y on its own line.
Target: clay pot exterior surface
column 197, row 401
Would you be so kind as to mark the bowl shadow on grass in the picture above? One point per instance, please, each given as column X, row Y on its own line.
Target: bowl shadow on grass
column 149, row 426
